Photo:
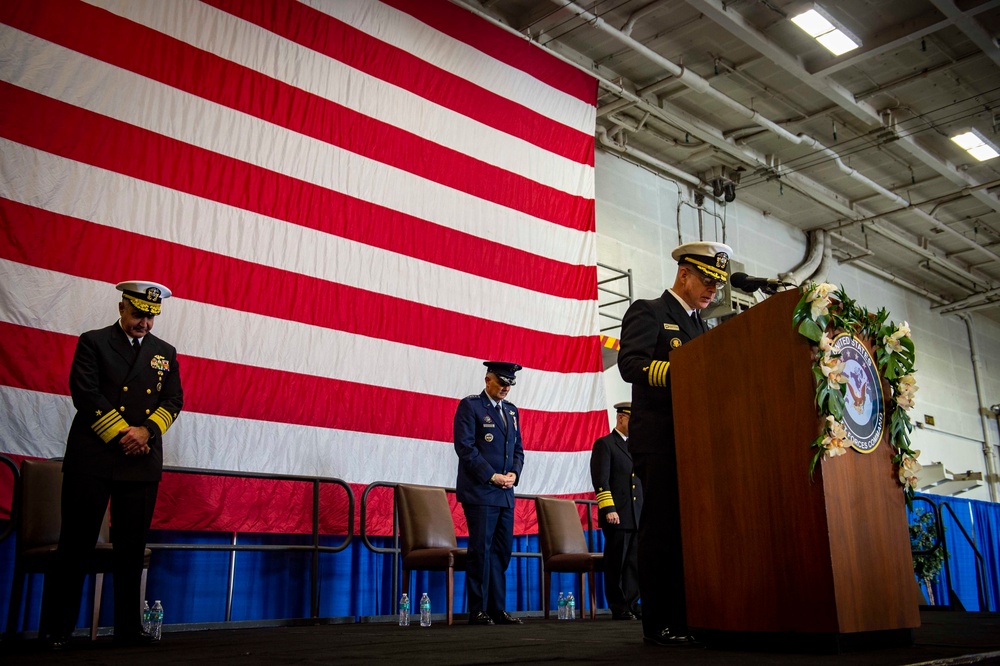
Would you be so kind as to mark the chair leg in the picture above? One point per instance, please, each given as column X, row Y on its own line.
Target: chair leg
column 583, row 602
column 142, row 588
column 546, row 589
column 593, row 595
column 14, row 607
column 451, row 593
column 95, row 616
column 406, row 587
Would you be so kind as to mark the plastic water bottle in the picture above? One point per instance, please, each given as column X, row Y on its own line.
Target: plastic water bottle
column 145, row 616
column 156, row 620
column 425, row 611
column 404, row 611
column 561, row 605
column 570, row 607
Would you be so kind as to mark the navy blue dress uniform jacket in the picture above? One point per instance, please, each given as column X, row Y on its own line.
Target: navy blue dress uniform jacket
column 486, row 446
column 651, row 329
column 616, row 486
column 112, row 389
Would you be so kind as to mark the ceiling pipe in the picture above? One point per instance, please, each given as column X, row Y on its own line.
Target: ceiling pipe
column 681, row 73
column 641, row 13
column 700, row 85
column 970, row 301
column 865, row 252
column 819, row 275
column 817, row 241
column 721, row 12
column 881, row 230
column 602, row 136
column 899, row 282
column 712, row 136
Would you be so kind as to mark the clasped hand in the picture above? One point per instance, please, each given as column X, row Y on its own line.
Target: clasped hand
column 504, row 481
column 135, row 440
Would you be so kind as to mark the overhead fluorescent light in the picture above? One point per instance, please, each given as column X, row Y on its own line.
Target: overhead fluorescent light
column 813, row 23
column 818, row 24
column 976, row 145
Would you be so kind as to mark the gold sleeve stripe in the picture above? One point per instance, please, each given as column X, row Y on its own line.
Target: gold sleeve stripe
column 604, row 500
column 162, row 419
column 108, row 426
column 658, row 373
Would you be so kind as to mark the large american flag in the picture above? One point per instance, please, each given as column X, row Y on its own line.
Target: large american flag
column 355, row 204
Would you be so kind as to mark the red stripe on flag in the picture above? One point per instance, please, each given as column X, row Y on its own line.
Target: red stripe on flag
column 47, row 240
column 90, row 138
column 261, row 394
column 515, row 51
column 325, row 34
column 175, row 63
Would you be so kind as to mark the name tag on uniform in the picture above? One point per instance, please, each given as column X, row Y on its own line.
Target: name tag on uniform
column 672, row 327
column 489, row 425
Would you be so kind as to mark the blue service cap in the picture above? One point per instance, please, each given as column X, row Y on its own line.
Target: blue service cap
column 504, row 371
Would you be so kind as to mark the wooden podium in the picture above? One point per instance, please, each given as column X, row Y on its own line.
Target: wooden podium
column 768, row 550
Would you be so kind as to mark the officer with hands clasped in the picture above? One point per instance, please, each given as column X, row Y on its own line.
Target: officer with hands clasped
column 619, row 505
column 490, row 457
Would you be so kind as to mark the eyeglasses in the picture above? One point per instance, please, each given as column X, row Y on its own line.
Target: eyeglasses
column 709, row 281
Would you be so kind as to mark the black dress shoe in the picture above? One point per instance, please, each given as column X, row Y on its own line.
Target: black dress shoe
column 503, row 617
column 627, row 615
column 668, row 638
column 134, row 640
column 480, row 618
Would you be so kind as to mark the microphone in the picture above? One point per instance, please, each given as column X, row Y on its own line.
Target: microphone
column 749, row 284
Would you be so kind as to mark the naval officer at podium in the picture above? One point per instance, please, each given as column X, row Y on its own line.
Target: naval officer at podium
column 650, row 330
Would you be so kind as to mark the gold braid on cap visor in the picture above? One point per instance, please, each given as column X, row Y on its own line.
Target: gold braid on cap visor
column 711, row 271
column 145, row 306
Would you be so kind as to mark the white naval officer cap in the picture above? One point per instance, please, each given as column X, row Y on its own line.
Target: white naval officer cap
column 144, row 295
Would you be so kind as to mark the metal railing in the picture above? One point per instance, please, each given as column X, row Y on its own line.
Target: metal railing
column 233, row 547
column 939, row 542
column 395, row 550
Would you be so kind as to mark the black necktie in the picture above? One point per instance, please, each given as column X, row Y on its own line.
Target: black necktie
column 136, row 345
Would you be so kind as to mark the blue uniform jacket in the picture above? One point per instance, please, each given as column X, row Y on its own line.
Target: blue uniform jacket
column 485, row 446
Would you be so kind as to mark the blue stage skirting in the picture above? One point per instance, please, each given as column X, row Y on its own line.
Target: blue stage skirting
column 358, row 582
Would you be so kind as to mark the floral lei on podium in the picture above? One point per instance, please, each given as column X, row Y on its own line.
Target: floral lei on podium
column 824, row 307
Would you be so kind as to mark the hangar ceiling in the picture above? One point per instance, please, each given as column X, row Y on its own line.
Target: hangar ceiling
column 736, row 100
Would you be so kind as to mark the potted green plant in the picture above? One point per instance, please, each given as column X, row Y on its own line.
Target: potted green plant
column 927, row 565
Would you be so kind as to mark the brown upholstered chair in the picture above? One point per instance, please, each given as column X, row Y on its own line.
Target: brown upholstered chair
column 564, row 548
column 427, row 536
column 37, row 513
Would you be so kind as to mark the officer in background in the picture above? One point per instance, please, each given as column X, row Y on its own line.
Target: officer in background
column 619, row 505
column 650, row 330
column 126, row 387
column 490, row 457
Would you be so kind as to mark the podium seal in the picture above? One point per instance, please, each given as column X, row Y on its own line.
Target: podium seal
column 864, row 409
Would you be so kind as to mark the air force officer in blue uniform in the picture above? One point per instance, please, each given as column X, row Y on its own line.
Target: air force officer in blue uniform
column 490, row 457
